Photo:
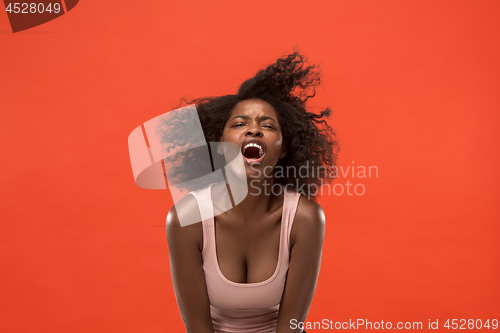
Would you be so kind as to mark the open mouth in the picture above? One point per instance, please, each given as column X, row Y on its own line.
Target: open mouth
column 253, row 152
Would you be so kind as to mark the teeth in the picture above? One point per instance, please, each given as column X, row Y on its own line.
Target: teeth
column 252, row 144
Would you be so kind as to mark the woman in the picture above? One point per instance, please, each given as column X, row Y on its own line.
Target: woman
column 254, row 268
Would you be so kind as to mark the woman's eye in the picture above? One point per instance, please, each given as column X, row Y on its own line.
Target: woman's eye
column 237, row 125
column 268, row 126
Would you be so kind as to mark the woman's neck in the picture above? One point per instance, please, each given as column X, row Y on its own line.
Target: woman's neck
column 252, row 196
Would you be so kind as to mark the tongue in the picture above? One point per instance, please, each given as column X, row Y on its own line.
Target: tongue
column 252, row 153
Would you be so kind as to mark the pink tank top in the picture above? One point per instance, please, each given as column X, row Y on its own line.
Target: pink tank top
column 244, row 307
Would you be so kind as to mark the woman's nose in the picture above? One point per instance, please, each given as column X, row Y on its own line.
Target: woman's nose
column 254, row 131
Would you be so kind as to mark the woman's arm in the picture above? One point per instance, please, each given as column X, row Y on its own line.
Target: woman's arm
column 184, row 246
column 306, row 243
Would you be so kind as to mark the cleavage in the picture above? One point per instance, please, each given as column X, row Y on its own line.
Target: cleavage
column 247, row 253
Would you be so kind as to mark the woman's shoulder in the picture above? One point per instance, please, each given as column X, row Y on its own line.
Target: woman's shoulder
column 309, row 222
column 186, row 211
column 182, row 211
column 184, row 221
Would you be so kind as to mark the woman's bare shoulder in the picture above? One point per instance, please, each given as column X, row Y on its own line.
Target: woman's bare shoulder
column 184, row 221
column 309, row 222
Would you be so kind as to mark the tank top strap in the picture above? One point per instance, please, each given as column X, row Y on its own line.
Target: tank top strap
column 204, row 199
column 204, row 203
column 290, row 204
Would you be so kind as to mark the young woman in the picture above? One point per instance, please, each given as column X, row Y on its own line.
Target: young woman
column 254, row 267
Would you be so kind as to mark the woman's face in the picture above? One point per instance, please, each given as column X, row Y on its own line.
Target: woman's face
column 253, row 126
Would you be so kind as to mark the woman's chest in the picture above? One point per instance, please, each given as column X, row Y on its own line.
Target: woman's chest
column 248, row 252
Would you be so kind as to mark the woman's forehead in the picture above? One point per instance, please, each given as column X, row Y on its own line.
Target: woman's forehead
column 254, row 108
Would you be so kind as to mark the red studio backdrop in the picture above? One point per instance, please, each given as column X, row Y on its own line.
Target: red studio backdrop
column 415, row 90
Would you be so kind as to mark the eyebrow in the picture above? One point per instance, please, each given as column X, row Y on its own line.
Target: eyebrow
column 260, row 118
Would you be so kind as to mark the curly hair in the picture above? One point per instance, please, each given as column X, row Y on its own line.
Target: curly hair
column 286, row 85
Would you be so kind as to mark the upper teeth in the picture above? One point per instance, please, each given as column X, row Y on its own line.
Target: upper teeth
column 252, row 144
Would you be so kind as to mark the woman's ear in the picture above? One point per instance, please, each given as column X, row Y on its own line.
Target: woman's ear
column 283, row 150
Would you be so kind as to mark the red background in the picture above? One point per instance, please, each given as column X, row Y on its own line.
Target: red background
column 415, row 89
